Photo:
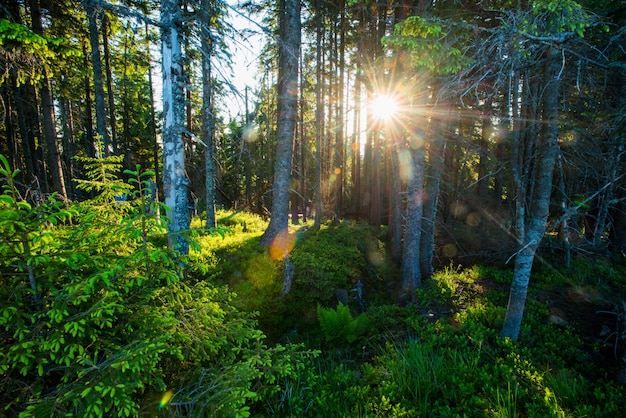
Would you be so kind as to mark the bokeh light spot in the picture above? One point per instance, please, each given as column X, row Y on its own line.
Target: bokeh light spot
column 250, row 133
column 375, row 257
column 473, row 219
column 458, row 209
column 449, row 250
column 282, row 244
column 404, row 164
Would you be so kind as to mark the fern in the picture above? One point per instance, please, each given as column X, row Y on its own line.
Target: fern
column 339, row 325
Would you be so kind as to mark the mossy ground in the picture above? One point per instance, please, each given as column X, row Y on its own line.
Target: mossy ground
column 442, row 356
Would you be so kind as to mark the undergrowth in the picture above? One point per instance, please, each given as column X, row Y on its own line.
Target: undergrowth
column 99, row 318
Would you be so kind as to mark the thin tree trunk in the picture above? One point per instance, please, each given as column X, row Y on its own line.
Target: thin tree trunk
column 109, row 79
column 538, row 213
column 395, row 222
column 318, row 116
column 89, row 145
column 153, row 121
column 207, row 114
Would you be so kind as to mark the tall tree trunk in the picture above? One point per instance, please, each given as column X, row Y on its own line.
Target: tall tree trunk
column 303, row 150
column 69, row 144
column 539, row 208
column 30, row 132
column 436, row 155
column 109, row 79
column 25, row 105
column 153, row 121
column 287, row 107
column 411, row 274
column 89, row 144
column 174, row 180
column 318, row 115
column 207, row 114
column 92, row 12
column 47, row 110
column 396, row 221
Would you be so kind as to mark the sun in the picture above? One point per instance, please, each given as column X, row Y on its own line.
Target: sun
column 384, row 107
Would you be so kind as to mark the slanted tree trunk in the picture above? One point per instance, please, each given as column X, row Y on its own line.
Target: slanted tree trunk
column 539, row 207
column 174, row 181
column 287, row 107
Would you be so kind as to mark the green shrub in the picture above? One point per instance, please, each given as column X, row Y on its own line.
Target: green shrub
column 339, row 326
column 98, row 320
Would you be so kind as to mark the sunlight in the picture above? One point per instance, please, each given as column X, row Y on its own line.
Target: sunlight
column 384, row 107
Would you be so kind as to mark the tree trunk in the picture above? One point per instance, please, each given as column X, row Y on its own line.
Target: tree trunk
column 411, row 274
column 539, row 208
column 395, row 221
column 47, row 110
column 174, row 181
column 89, row 144
column 207, row 114
column 98, row 81
column 318, row 116
column 110, row 97
column 436, row 152
column 153, row 122
column 287, row 107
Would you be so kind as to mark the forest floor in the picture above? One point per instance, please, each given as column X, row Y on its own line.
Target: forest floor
column 573, row 338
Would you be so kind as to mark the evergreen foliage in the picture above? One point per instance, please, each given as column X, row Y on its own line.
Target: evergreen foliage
column 98, row 320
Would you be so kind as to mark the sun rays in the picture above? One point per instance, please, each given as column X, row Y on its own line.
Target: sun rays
column 384, row 107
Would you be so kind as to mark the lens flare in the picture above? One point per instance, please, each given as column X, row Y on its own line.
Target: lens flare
column 384, row 107
column 282, row 245
column 166, row 398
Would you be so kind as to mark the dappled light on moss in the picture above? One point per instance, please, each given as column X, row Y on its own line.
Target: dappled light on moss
column 262, row 271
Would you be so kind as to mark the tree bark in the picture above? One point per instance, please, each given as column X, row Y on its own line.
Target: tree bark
column 47, row 110
column 318, row 116
column 411, row 274
column 98, row 80
column 539, row 208
column 207, row 114
column 174, row 181
column 287, row 107
column 436, row 152
column 110, row 94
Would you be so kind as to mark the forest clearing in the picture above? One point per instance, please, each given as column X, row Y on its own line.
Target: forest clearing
column 404, row 208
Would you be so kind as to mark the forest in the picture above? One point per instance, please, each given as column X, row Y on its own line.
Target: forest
column 415, row 208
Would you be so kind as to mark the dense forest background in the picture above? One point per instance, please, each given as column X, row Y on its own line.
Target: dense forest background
column 464, row 132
